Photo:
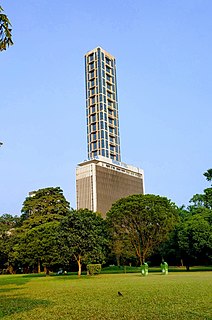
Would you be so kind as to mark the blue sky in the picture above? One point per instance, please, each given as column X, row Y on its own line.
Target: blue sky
column 163, row 52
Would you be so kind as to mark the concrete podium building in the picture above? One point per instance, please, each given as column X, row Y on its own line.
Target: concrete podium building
column 103, row 178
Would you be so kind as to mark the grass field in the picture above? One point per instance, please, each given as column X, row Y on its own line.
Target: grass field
column 175, row 296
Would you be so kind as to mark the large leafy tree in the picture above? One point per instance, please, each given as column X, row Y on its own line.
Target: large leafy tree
column 38, row 246
column 191, row 240
column 194, row 231
column 195, row 238
column 5, row 31
column 199, row 201
column 45, row 205
column 36, row 239
column 144, row 220
column 7, row 225
column 83, row 237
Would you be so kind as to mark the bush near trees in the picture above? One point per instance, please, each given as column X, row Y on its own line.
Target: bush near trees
column 50, row 235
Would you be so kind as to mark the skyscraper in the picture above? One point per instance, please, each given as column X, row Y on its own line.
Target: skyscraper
column 103, row 178
column 102, row 105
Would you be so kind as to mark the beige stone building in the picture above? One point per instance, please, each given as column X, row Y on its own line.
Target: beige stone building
column 102, row 181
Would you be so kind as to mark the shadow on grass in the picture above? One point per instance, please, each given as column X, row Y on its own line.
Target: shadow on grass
column 18, row 280
column 3, row 290
column 13, row 279
column 12, row 305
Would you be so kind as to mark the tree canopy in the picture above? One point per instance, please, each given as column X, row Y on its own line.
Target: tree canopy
column 47, row 204
column 5, row 31
column 145, row 220
column 208, row 175
column 83, row 237
column 195, row 238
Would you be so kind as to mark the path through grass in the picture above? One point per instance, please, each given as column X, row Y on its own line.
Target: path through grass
column 175, row 296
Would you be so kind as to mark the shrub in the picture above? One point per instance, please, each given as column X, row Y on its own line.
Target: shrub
column 93, row 269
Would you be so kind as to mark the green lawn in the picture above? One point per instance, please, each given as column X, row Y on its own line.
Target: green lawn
column 175, row 296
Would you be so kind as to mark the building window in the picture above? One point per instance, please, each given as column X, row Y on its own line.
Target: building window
column 92, row 100
column 108, row 61
column 93, row 127
column 91, row 75
column 92, row 83
column 108, row 78
column 108, row 69
column 93, row 118
column 91, row 66
column 111, row 130
column 109, row 86
column 93, row 136
column 92, row 92
column 101, row 124
column 91, row 57
column 94, row 146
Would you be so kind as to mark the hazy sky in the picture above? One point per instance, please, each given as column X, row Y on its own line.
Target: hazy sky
column 163, row 51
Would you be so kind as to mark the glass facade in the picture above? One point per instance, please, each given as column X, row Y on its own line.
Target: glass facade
column 102, row 105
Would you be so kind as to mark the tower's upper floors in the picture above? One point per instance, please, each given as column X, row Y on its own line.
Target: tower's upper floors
column 102, row 105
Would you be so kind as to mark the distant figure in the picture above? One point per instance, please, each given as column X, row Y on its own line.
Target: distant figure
column 120, row 294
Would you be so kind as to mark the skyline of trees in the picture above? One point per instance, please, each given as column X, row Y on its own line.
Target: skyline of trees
column 49, row 234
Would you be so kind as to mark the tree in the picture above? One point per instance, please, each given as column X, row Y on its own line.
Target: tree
column 7, row 225
column 145, row 220
column 45, row 204
column 83, row 237
column 36, row 239
column 38, row 246
column 5, row 31
column 195, row 238
column 208, row 175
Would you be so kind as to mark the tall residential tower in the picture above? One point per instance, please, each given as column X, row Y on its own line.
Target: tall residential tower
column 103, row 178
column 102, row 105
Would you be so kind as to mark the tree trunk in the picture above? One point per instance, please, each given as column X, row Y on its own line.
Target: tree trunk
column 79, row 267
column 118, row 260
column 38, row 266
column 142, row 259
column 46, row 270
